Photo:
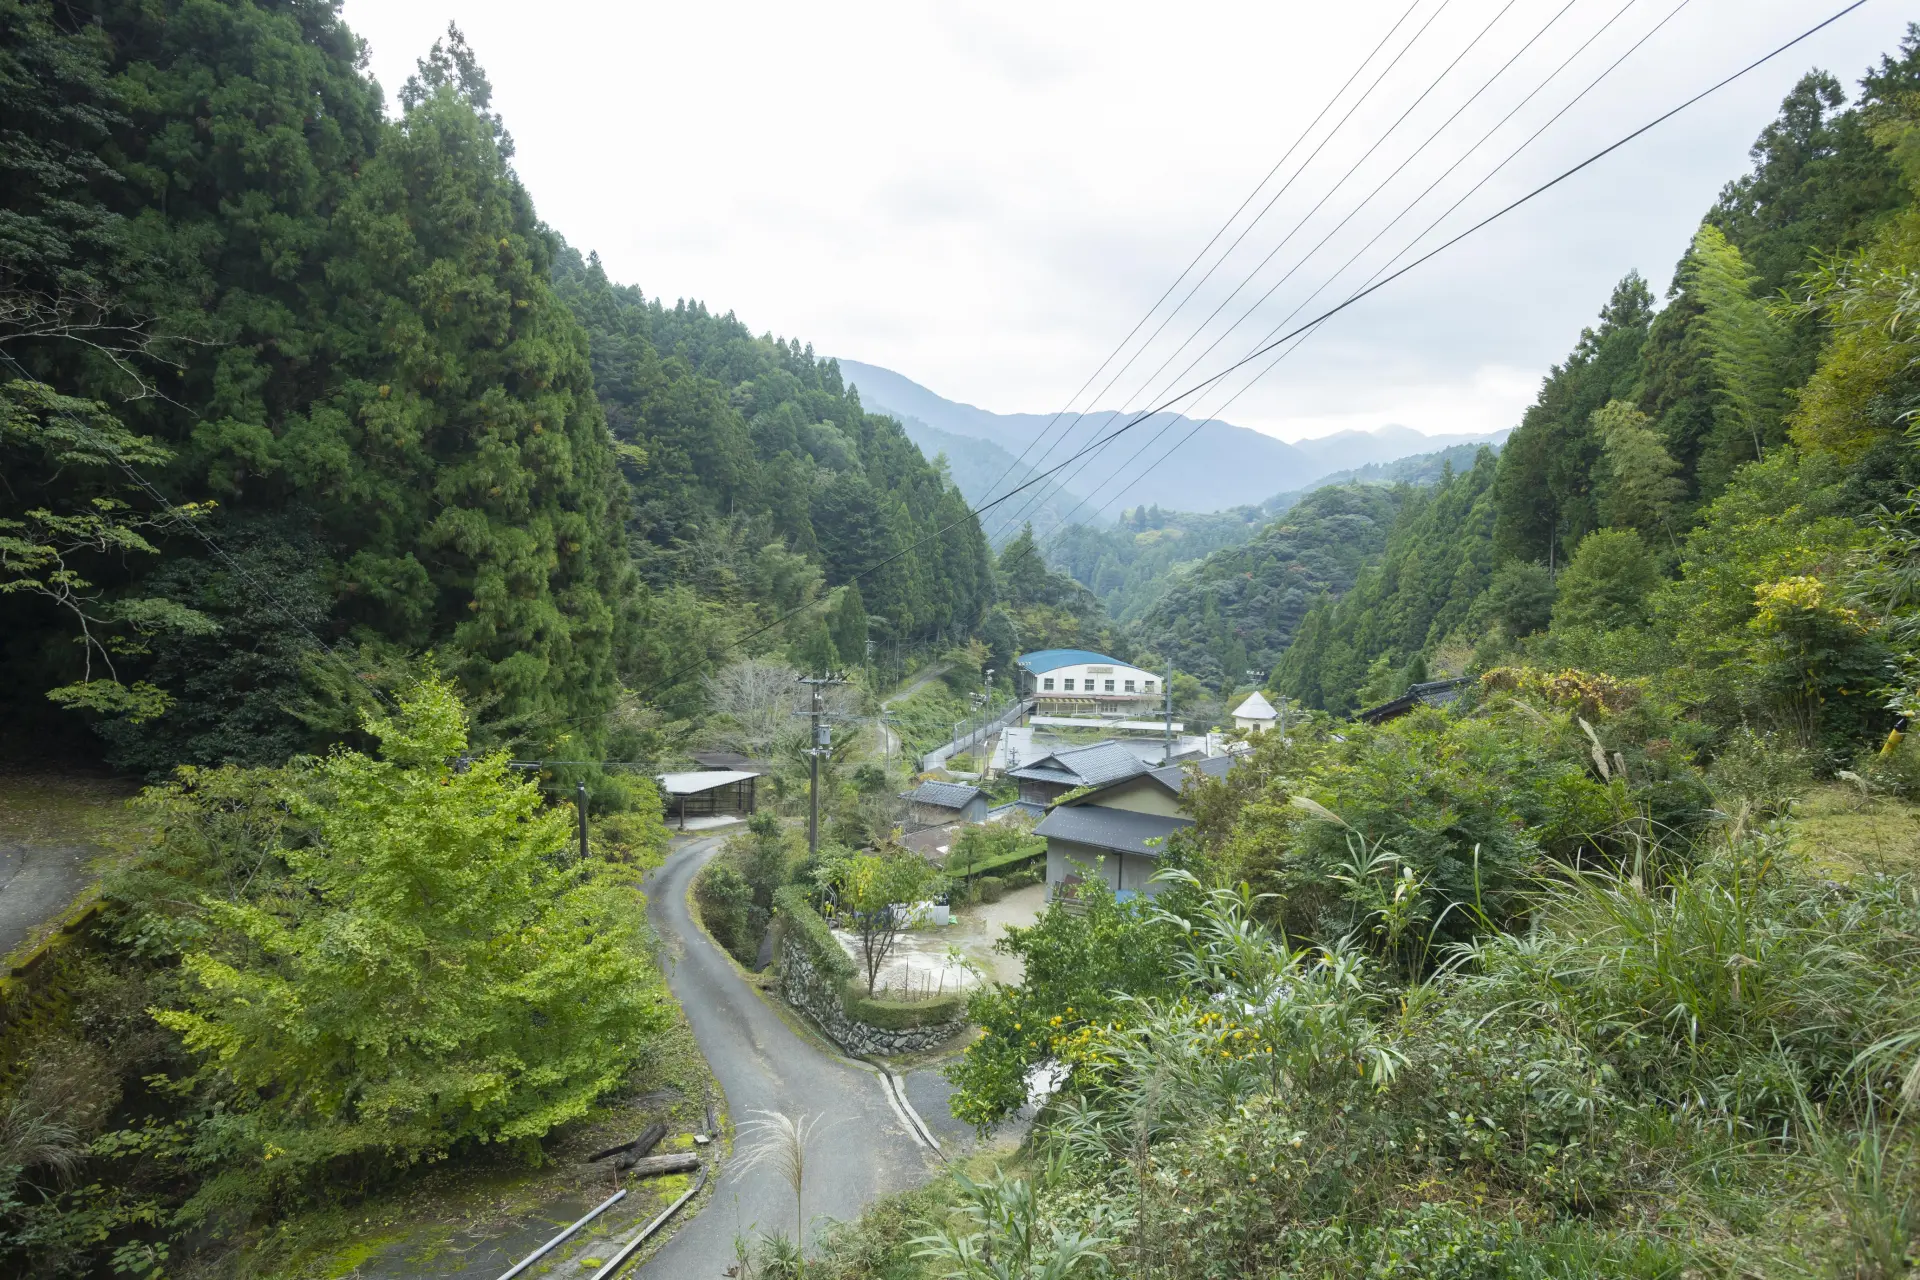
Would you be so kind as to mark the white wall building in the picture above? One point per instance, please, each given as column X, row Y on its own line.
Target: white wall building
column 1255, row 713
column 1066, row 681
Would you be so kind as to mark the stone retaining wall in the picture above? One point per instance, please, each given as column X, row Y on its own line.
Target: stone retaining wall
column 817, row 995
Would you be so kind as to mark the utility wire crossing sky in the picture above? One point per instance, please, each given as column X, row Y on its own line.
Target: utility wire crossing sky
column 987, row 200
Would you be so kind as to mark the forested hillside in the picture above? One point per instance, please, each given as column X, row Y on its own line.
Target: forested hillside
column 1664, row 461
column 277, row 428
column 1238, row 609
column 759, row 484
column 1133, row 563
column 1130, row 564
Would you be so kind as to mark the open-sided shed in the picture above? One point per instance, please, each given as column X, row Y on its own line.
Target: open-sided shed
column 707, row 793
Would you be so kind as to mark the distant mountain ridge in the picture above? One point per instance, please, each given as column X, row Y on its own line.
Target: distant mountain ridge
column 1220, row 467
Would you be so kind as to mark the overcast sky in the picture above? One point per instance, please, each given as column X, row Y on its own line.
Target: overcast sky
column 986, row 198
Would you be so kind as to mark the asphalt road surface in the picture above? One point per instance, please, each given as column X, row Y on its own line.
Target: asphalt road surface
column 37, row 882
column 863, row 1149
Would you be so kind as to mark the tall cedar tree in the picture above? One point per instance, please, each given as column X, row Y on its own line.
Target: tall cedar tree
column 360, row 360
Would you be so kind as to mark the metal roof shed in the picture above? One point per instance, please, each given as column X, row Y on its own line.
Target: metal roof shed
column 708, row 794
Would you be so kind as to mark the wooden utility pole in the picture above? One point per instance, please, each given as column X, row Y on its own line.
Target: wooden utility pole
column 820, row 742
column 580, row 795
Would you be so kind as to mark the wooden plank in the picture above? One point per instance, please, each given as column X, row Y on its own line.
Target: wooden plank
column 678, row 1162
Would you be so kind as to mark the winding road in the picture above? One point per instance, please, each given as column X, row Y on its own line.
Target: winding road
column 863, row 1149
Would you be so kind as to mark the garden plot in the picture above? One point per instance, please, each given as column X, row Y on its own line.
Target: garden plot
column 933, row 961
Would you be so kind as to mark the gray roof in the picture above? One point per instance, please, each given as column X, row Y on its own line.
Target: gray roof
column 1120, row 830
column 1093, row 766
column 692, row 784
column 947, row 795
column 1174, row 776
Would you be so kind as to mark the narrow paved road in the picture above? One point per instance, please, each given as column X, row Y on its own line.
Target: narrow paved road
column 863, row 1150
column 37, row 882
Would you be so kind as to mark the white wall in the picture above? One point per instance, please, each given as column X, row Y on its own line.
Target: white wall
column 1100, row 673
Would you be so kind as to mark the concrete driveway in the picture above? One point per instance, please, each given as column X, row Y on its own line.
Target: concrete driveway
column 863, row 1150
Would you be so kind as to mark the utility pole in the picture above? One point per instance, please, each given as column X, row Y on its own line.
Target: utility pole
column 820, row 742
column 1166, row 757
column 581, row 803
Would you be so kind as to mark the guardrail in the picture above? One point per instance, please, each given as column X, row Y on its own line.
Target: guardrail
column 937, row 757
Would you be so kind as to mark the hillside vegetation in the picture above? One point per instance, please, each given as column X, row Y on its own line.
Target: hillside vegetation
column 1607, row 968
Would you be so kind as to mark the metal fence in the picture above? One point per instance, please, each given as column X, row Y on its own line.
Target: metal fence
column 967, row 741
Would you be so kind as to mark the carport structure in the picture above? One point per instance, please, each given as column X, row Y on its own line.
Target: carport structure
column 707, row 795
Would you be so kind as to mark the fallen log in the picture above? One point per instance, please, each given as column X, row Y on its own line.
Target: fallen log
column 648, row 1139
column 677, row 1162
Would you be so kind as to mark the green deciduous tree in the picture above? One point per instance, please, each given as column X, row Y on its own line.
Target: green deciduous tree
column 870, row 886
column 1640, row 485
column 434, row 969
column 1520, row 598
column 74, row 455
column 1606, row 584
column 1747, row 348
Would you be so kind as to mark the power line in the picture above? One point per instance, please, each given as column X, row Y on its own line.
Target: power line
column 1324, row 316
column 1288, row 185
column 1350, row 215
column 1204, row 249
column 1445, row 213
column 1410, row 206
column 1352, row 169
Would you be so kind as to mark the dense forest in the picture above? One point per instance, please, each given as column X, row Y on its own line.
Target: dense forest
column 1665, row 460
column 1236, row 611
column 276, row 428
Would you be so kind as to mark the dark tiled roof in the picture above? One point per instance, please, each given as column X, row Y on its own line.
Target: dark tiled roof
column 947, row 795
column 1120, row 830
column 1174, row 776
column 1434, row 693
column 1093, row 766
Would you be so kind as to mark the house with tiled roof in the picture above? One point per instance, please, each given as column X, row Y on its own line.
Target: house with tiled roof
column 937, row 803
column 1047, row 778
column 1117, row 832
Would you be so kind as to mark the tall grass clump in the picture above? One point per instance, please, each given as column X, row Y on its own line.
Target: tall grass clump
column 1696, row 1063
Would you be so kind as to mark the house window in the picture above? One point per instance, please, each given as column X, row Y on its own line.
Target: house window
column 1149, row 686
column 1069, row 684
column 1129, row 686
column 1109, row 686
column 1049, row 683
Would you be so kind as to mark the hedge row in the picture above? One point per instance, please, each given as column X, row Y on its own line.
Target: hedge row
column 898, row 1015
column 805, row 924
column 802, row 923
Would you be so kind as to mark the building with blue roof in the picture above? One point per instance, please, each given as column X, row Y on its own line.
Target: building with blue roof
column 1066, row 682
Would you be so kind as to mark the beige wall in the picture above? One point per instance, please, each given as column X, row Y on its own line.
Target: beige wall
column 1141, row 795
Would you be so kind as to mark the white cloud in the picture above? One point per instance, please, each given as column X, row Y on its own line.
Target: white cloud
column 986, row 199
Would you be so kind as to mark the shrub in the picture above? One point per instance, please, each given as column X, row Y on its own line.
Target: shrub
column 1766, row 772
column 725, row 900
column 990, row 888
